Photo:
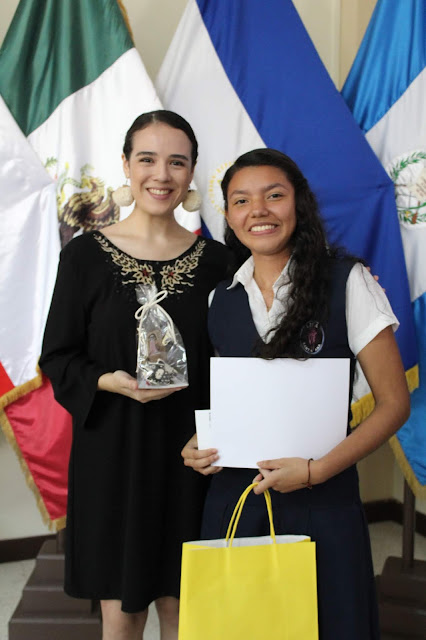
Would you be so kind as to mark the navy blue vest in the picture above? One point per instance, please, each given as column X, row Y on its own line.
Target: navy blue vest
column 233, row 333
column 331, row 513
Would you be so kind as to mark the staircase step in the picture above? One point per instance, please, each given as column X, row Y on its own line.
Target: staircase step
column 396, row 618
column 392, row 636
column 50, row 563
column 51, row 597
column 50, row 625
column 44, row 589
column 408, row 586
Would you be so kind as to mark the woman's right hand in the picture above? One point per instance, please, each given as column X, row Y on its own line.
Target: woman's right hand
column 200, row 460
column 123, row 383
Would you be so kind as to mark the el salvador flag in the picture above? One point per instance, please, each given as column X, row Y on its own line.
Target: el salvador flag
column 246, row 75
column 386, row 91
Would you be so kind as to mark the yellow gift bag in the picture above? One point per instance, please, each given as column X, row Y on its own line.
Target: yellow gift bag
column 249, row 588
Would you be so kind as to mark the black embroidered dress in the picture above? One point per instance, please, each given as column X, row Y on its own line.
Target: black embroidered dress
column 131, row 501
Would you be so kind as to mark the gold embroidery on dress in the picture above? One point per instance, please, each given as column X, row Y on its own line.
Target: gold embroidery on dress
column 134, row 271
column 178, row 273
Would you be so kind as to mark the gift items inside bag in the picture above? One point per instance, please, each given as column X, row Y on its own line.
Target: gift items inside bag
column 161, row 356
column 249, row 588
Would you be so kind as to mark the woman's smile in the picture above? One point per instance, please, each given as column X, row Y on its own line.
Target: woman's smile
column 262, row 228
column 160, row 168
column 262, row 209
column 159, row 194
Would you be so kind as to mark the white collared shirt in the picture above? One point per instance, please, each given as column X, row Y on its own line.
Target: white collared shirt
column 368, row 310
column 263, row 319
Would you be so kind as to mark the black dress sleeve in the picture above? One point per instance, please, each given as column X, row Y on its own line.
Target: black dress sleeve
column 64, row 358
column 222, row 263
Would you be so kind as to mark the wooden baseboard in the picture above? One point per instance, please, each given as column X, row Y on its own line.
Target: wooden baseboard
column 21, row 548
column 376, row 511
column 392, row 509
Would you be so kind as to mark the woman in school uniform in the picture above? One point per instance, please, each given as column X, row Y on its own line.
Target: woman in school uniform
column 294, row 296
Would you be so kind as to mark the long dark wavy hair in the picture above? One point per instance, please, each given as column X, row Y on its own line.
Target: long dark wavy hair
column 170, row 118
column 309, row 269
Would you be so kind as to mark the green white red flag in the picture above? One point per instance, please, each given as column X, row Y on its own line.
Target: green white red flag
column 71, row 83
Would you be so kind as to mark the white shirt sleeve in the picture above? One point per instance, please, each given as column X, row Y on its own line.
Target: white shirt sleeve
column 368, row 311
column 210, row 300
column 211, row 296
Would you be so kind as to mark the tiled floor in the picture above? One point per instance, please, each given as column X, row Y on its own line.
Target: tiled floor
column 386, row 540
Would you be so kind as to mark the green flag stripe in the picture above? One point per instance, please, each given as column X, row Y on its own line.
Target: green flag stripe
column 52, row 49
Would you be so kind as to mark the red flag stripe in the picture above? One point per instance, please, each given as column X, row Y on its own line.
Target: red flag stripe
column 6, row 383
column 39, row 430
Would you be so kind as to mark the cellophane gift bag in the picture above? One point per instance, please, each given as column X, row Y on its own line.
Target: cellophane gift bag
column 161, row 356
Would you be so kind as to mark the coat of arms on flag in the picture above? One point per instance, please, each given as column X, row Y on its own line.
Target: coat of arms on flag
column 240, row 94
column 388, row 104
column 61, row 153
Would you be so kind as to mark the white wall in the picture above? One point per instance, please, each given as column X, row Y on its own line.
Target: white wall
column 336, row 27
column 19, row 515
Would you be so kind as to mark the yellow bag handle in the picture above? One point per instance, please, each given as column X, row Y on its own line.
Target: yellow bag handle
column 233, row 523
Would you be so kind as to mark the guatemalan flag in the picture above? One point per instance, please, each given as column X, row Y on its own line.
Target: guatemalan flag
column 386, row 91
column 246, row 75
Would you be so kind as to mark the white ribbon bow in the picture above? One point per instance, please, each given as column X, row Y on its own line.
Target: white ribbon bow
column 143, row 310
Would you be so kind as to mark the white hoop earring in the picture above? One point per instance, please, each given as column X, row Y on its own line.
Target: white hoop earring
column 123, row 196
column 192, row 200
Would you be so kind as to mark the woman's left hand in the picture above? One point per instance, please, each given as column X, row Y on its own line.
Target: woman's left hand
column 201, row 460
column 375, row 277
column 283, row 475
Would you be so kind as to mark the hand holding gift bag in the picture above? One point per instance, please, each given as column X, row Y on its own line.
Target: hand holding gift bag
column 161, row 355
column 249, row 588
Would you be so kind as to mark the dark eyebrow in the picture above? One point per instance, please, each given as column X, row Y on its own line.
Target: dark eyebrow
column 238, row 192
column 268, row 188
column 173, row 155
column 146, row 153
column 179, row 155
column 276, row 184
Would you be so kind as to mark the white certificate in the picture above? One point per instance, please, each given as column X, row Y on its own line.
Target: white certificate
column 264, row 409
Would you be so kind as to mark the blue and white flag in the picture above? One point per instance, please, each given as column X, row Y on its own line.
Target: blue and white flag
column 386, row 91
column 246, row 75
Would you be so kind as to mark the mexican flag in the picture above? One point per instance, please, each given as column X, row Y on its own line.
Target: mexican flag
column 71, row 83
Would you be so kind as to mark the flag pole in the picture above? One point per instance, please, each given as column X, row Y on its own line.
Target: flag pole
column 409, row 528
column 401, row 587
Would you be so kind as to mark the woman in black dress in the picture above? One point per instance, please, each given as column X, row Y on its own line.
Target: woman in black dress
column 295, row 297
column 131, row 502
